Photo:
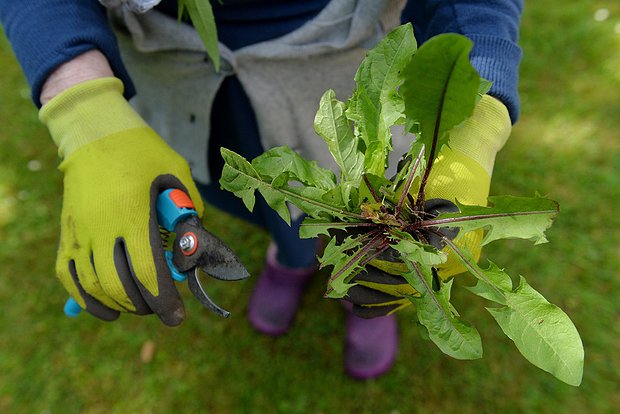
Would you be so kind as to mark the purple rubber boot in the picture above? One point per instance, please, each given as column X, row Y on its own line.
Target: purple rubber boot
column 371, row 345
column 276, row 296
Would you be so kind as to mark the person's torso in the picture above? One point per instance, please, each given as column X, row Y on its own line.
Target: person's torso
column 244, row 22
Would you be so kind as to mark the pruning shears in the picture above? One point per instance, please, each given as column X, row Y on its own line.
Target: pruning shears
column 189, row 250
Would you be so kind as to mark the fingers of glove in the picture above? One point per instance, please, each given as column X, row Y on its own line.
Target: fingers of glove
column 376, row 276
column 363, row 295
column 367, row 312
column 89, row 280
column 389, row 261
column 67, row 273
column 126, row 276
column 457, row 177
column 379, row 280
column 148, row 270
column 169, row 307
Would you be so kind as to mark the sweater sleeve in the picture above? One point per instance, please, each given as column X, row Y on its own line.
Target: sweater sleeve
column 492, row 25
column 47, row 33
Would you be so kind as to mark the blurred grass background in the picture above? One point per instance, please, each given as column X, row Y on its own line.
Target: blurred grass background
column 565, row 146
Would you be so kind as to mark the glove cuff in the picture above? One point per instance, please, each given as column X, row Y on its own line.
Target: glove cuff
column 87, row 112
column 482, row 135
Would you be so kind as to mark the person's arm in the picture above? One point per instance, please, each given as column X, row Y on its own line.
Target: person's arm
column 110, row 257
column 45, row 34
column 87, row 66
column 493, row 27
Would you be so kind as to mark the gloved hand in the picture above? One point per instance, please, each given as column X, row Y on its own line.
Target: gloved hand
column 461, row 172
column 110, row 258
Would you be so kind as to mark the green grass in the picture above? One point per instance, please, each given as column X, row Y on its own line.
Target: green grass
column 565, row 145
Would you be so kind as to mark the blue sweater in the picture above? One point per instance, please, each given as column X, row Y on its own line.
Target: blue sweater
column 46, row 33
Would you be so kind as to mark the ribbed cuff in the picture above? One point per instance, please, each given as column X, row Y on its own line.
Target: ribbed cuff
column 495, row 59
column 87, row 112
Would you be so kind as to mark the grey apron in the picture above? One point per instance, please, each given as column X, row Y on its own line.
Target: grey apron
column 284, row 78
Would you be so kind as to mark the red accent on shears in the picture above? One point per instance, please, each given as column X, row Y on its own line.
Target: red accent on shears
column 195, row 247
column 181, row 200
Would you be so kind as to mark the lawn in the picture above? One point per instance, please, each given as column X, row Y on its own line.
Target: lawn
column 566, row 145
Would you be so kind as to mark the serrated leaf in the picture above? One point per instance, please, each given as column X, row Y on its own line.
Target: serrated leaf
column 276, row 160
column 506, row 217
column 375, row 104
column 542, row 332
column 335, row 128
column 420, row 253
column 242, row 179
column 374, row 184
column 312, row 227
column 492, row 284
column 433, row 93
column 452, row 335
column 312, row 202
column 201, row 14
column 345, row 257
column 239, row 177
column 411, row 164
column 440, row 88
column 370, row 129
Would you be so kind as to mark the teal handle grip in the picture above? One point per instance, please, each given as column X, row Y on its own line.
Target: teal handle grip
column 72, row 308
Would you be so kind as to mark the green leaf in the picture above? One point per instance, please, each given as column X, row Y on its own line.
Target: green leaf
column 273, row 162
column 420, row 253
column 311, row 200
column 412, row 166
column 201, row 14
column 239, row 177
column 345, row 258
column 440, row 88
column 374, row 185
column 451, row 334
column 242, row 179
column 375, row 104
column 542, row 332
column 506, row 217
column 429, row 94
column 380, row 71
column 492, row 284
column 312, row 227
column 333, row 126
column 485, row 86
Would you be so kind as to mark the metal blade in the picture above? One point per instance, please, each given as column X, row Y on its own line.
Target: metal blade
column 196, row 288
column 220, row 262
column 207, row 252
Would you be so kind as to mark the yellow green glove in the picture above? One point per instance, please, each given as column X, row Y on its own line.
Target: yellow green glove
column 461, row 172
column 110, row 258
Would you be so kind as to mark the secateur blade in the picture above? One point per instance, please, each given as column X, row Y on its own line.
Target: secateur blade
column 193, row 282
column 220, row 262
column 196, row 250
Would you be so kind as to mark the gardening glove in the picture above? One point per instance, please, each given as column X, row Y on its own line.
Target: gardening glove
column 110, row 258
column 461, row 172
